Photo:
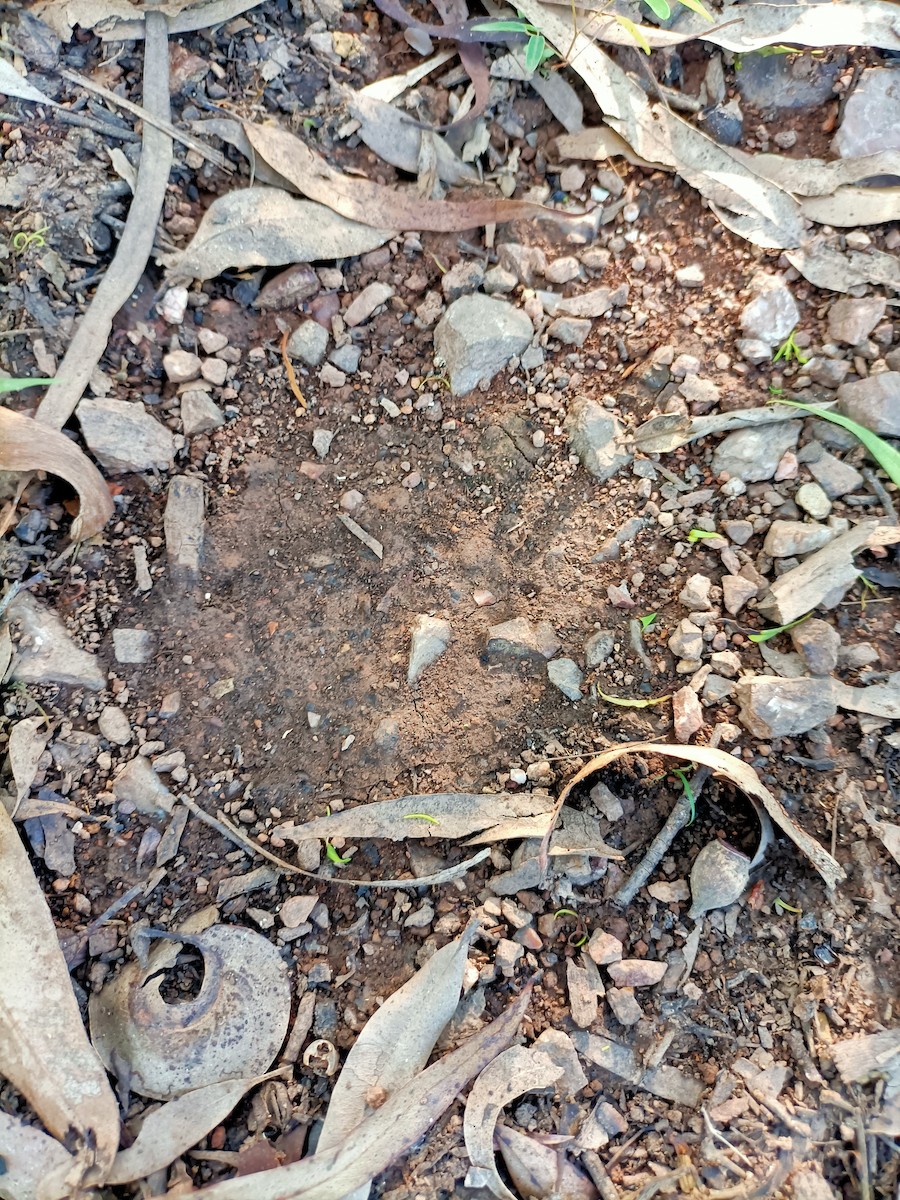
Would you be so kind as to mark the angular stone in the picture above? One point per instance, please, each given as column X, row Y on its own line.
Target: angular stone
column 786, row 539
column 835, row 477
column 114, row 725
column 463, row 277
column 773, row 707
column 813, row 499
column 736, row 591
column 518, row 638
column 726, row 663
column 211, row 341
column 636, row 972
column 873, row 402
column 476, row 338
column 181, row 366
column 695, row 593
column 827, row 372
column 819, row 645
column 214, row 370
column 594, row 436
column 124, row 437
column 686, row 641
column 583, row 993
column 44, row 651
column 773, row 313
column 599, row 647
column 687, row 714
column 139, row 785
column 430, row 638
column 308, row 342
column 366, row 302
column 570, row 331
column 851, row 321
column 624, row 1007
column 565, row 674
column 133, row 645
column 739, row 532
column 184, row 523
column 690, row 277
column 603, row 948
column 753, row 455
column 871, row 120
column 199, row 412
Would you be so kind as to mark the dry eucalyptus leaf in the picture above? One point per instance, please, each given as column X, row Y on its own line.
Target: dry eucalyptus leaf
column 719, row 876
column 174, row 1127
column 392, row 87
column 877, row 700
column 444, row 815
column 388, row 1133
column 840, row 270
column 395, row 137
column 395, row 1043
column 6, row 650
column 14, row 84
column 668, row 431
column 535, row 1168
column 26, row 445
column 31, row 1158
column 44, row 1050
column 27, row 740
column 232, row 1029
column 119, row 20
column 518, row 1070
column 736, row 771
column 267, row 227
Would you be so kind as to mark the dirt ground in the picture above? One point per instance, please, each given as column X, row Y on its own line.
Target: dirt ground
column 289, row 654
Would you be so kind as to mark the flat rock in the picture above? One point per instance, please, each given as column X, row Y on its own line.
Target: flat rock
column 570, row 331
column 813, row 499
column 739, row 532
column 114, row 725
column 45, row 653
column 873, row 402
column 603, row 948
column 687, row 714
column 430, row 638
column 695, row 593
column 211, row 340
column 184, row 523
column 785, row 539
column 518, row 638
column 594, row 435
column 598, row 647
column 753, row 455
column 771, row 707
column 476, row 338
column 308, row 342
column 772, row 313
column 871, row 120
column 137, row 784
column 687, row 640
column 818, row 644
column 133, row 645
column 124, row 437
column 636, row 972
column 736, row 592
column 364, row 305
column 851, row 321
column 181, row 366
column 624, row 1007
column 583, row 993
column 199, row 413
column 835, row 477
column 565, row 674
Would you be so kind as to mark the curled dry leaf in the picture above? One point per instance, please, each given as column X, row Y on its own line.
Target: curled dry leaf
column 170, row 1049
column 668, row 431
column 373, row 204
column 396, row 1041
column 27, row 446
column 321, row 1058
column 44, row 1050
column 518, row 1070
column 389, row 1132
column 119, row 20
column 396, row 137
column 267, row 227
column 725, row 766
column 27, row 740
column 14, row 84
column 539, row 1170
column 31, row 1159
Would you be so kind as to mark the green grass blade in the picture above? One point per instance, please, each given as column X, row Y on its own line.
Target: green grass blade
column 634, row 30
column 766, row 635
column 883, row 452
column 19, row 385
column 534, row 52
column 511, row 26
column 660, row 7
column 697, row 7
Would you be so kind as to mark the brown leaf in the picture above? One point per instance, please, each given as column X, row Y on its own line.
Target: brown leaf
column 27, row 446
column 371, row 203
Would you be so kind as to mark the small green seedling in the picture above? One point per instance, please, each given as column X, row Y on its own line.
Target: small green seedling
column 646, row 621
column 333, row 855
column 790, row 351
column 624, row 702
column 688, row 791
column 766, row 635
column 887, row 457
column 783, row 906
column 869, row 591
column 22, row 241
column 700, row 535
column 536, row 49
column 663, row 11
column 421, row 817
column 565, row 912
column 19, row 385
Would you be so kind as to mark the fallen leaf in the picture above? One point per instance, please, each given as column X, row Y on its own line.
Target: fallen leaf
column 6, row 650
column 396, row 138
column 31, row 1158
column 44, row 1050
column 622, row 1063
column 389, row 1132
column 838, row 270
column 373, row 204
column 392, row 87
column 267, row 227
column 119, row 20
column 627, row 702
column 170, row 1049
column 27, row 740
column 518, row 1070
column 395, row 1043
column 26, row 445
column 536, row 1170
column 877, row 700
column 14, row 84
column 668, row 431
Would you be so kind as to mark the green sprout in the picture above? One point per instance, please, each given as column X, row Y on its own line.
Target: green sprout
column 688, row 791
column 536, row 49
column 20, row 242
column 18, row 385
column 627, row 702
column 867, row 587
column 646, row 621
column 699, row 535
column 783, row 906
column 565, row 912
column 790, row 351
column 421, row 817
column 765, row 635
column 333, row 855
column 887, row 457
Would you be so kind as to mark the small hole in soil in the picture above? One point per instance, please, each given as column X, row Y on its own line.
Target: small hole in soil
column 183, row 982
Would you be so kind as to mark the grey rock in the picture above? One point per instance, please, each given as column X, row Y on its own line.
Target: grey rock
column 181, row 366
column 365, row 304
column 827, row 372
column 346, row 358
column 687, row 714
column 851, row 321
column 752, row 350
column 873, row 402
column 695, row 593
column 387, row 735
column 624, row 1007
column 331, row 376
column 114, row 725
column 565, row 674
column 525, row 262
column 583, row 992
column 199, row 413
column 636, row 972
column 835, row 477
column 739, row 532
column 753, row 455
column 788, row 538
column 604, row 948
column 737, row 590
column 563, row 270
column 701, row 394
column 133, row 645
column 771, row 707
column 772, row 313
column 518, row 638
column 463, row 277
column 690, row 277
column 779, row 81
column 599, row 647
column 430, row 638
column 45, row 653
column 321, row 441
column 687, row 641
column 498, row 281
column 594, row 436
column 476, row 338
column 184, row 523
column 726, row 663
column 124, row 437
column 871, row 121
column 570, row 331
column 813, row 499
column 716, row 689
column 808, row 1183
column 725, row 123
column 308, row 342
column 818, row 643
column 139, row 785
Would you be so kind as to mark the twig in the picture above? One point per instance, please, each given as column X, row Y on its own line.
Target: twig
column 865, row 1183
column 135, row 244
column 102, row 127
column 14, row 588
column 598, row 1173
column 718, row 1136
column 881, row 493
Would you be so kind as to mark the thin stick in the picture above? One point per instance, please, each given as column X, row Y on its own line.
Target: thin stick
column 598, row 1173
